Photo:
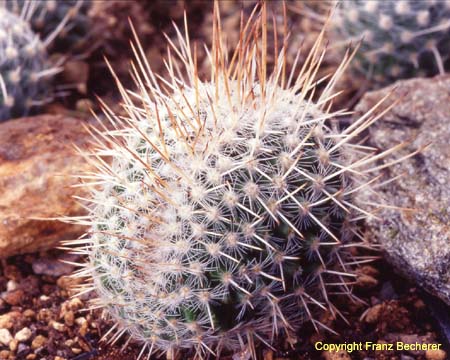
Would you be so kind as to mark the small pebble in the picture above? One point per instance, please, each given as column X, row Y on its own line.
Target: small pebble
column 59, row 358
column 76, row 351
column 366, row 281
column 22, row 350
column 45, row 315
column 13, row 345
column 5, row 337
column 11, row 285
column 4, row 354
column 23, row 335
column 38, row 342
column 51, row 267
column 8, row 320
column 372, row 314
column 435, row 355
column 31, row 357
column 14, row 297
column 69, row 342
column 57, row 326
column 44, row 298
column 80, row 320
column 28, row 313
column 69, row 318
column 75, row 304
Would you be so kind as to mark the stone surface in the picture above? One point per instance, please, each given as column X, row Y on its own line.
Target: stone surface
column 54, row 266
column 5, row 337
column 36, row 162
column 416, row 242
column 23, row 335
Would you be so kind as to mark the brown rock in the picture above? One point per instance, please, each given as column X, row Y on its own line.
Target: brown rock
column 69, row 318
column 373, row 314
column 38, row 341
column 435, row 355
column 36, row 162
column 13, row 297
column 7, row 320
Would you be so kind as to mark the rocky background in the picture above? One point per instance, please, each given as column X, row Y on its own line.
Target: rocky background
column 406, row 291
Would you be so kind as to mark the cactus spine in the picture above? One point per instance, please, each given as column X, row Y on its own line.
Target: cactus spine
column 401, row 39
column 64, row 23
column 226, row 215
column 24, row 68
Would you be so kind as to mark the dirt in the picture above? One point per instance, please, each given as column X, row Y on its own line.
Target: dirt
column 60, row 328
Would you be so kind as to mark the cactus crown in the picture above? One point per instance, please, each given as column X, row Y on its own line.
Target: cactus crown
column 24, row 70
column 401, row 39
column 225, row 217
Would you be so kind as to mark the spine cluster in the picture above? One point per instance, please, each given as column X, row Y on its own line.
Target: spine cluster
column 66, row 23
column 401, row 39
column 24, row 68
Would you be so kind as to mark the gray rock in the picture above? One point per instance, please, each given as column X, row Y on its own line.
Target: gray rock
column 416, row 242
column 54, row 266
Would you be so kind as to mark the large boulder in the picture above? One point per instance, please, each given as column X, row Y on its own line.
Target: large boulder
column 416, row 242
column 37, row 162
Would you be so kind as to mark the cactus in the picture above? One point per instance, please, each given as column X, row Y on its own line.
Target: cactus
column 225, row 218
column 65, row 24
column 24, row 69
column 401, row 39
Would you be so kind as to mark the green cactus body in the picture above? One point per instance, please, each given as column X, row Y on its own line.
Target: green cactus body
column 24, row 72
column 401, row 39
column 225, row 216
column 66, row 22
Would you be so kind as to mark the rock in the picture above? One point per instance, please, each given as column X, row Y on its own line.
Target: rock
column 23, row 335
column 373, row 313
column 36, row 162
column 69, row 318
column 28, row 313
column 7, row 320
column 416, row 242
column 11, row 285
column 53, row 266
column 13, row 345
column 38, row 341
column 22, row 350
column 57, row 326
column 435, row 355
column 5, row 337
column 14, row 297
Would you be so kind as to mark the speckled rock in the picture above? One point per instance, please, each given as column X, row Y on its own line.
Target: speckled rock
column 416, row 242
column 36, row 162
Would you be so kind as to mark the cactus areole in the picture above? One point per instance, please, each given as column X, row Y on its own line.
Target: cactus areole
column 225, row 216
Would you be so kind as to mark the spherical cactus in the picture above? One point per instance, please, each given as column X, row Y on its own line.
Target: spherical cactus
column 65, row 23
column 24, row 70
column 225, row 218
column 401, row 39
